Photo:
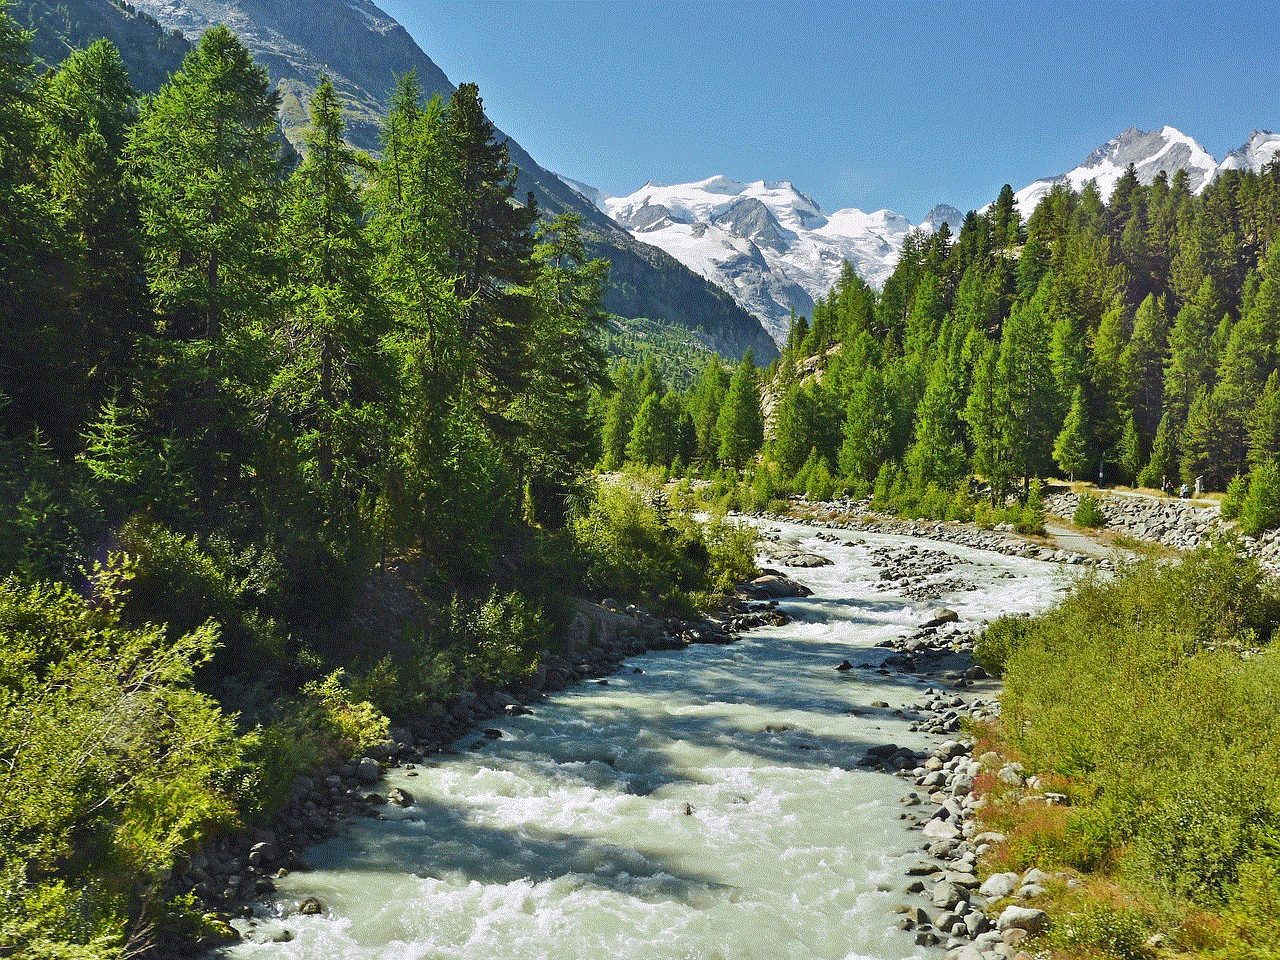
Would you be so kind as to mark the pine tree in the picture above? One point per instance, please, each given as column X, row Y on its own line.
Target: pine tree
column 868, row 427
column 1264, row 425
column 86, row 108
column 1191, row 357
column 937, row 453
column 1071, row 448
column 557, row 436
column 1025, row 385
column 741, row 426
column 207, row 170
column 1202, row 441
column 489, row 254
column 988, row 414
column 646, row 444
column 708, row 397
column 328, row 342
column 1145, row 359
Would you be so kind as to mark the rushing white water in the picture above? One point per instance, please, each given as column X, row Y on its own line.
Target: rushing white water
column 710, row 806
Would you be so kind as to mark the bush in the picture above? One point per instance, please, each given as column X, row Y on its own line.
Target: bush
column 632, row 548
column 1261, row 507
column 1109, row 930
column 1089, row 513
column 114, row 764
column 1233, row 499
column 1135, row 690
column 1029, row 519
column 1000, row 640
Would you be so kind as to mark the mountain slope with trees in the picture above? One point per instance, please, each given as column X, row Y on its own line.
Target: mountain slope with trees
column 362, row 51
column 286, row 449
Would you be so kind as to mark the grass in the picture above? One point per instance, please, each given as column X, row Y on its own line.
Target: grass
column 1152, row 701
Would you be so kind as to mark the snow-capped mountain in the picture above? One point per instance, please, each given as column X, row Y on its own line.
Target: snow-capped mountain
column 1167, row 149
column 1261, row 148
column 768, row 244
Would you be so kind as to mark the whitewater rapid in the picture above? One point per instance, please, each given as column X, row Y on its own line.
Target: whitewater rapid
column 704, row 804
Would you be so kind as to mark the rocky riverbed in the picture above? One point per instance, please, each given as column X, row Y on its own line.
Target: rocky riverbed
column 240, row 867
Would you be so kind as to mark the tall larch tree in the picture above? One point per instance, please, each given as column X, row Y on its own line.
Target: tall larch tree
column 206, row 163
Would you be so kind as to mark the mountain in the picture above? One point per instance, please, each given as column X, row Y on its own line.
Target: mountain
column 770, row 245
column 1261, row 148
column 149, row 52
column 1167, row 149
column 362, row 49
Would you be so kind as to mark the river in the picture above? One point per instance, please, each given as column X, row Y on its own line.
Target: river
column 704, row 804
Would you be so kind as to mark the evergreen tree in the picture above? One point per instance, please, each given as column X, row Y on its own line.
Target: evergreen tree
column 708, row 397
column 741, row 426
column 1026, row 388
column 29, row 249
column 1145, row 358
column 328, row 343
column 937, row 453
column 557, row 436
column 1071, row 448
column 1264, row 425
column 988, row 414
column 207, row 171
column 1202, row 441
column 1191, row 357
column 646, row 444
column 868, row 427
column 86, row 108
column 489, row 254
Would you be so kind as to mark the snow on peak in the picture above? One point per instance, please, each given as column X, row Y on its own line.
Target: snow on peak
column 1261, row 148
column 770, row 245
column 1167, row 149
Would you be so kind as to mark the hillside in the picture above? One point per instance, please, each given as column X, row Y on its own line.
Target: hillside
column 361, row 49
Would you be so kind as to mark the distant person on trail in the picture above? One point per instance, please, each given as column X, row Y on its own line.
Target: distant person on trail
column 1184, row 492
column 1099, row 476
column 1165, row 488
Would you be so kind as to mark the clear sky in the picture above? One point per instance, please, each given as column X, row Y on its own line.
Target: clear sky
column 888, row 104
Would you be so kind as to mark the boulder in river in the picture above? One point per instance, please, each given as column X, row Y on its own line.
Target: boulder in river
column 939, row 616
column 775, row 585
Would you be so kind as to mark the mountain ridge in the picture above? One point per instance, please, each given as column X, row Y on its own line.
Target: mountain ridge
column 362, row 49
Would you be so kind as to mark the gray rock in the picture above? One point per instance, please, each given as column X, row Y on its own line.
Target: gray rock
column 400, row 797
column 1023, row 918
column 999, row 885
column 940, row 616
column 310, row 906
column 368, row 770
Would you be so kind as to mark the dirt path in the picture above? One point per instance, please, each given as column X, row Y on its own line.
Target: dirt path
column 1065, row 538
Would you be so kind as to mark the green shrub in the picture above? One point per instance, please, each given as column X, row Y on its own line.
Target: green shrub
column 1233, row 499
column 1029, row 519
column 1001, row 638
column 1135, row 689
column 632, row 548
column 1261, row 507
column 1109, row 930
column 1088, row 512
column 113, row 763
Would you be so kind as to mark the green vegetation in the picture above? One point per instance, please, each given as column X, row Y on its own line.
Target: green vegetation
column 1089, row 512
column 1129, row 338
column 1150, row 700
column 326, row 429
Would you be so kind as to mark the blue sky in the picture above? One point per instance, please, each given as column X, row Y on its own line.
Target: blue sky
column 888, row 104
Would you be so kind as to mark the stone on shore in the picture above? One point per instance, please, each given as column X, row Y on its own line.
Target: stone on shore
column 1023, row 918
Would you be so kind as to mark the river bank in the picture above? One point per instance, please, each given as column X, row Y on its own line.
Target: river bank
column 238, row 869
column 756, row 767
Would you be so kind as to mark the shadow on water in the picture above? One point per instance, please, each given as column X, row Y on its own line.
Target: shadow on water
column 433, row 839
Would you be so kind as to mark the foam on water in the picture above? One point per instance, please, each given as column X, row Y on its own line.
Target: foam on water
column 710, row 808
